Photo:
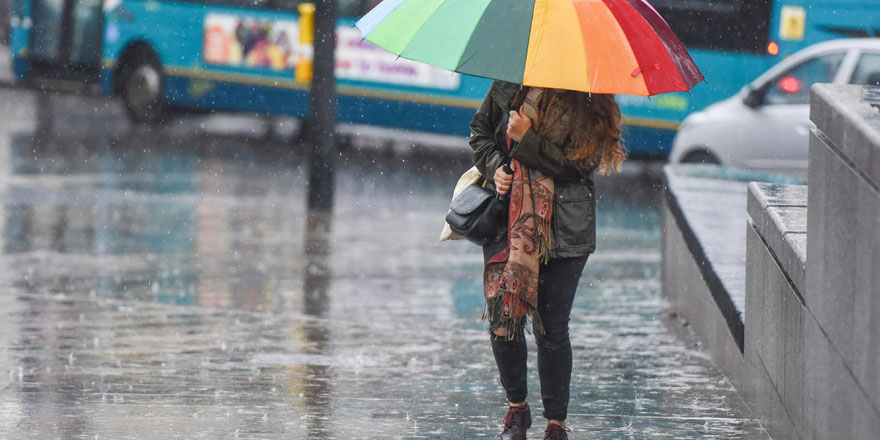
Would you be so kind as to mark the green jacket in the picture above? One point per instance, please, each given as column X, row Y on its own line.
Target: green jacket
column 573, row 225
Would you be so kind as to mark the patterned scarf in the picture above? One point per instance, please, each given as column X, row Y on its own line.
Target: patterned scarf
column 511, row 275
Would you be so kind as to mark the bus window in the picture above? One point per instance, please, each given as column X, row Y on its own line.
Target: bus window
column 85, row 35
column 726, row 25
column 868, row 70
column 242, row 3
column 344, row 8
column 351, row 8
column 793, row 87
column 46, row 34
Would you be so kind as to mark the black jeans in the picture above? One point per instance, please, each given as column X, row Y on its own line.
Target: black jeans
column 557, row 283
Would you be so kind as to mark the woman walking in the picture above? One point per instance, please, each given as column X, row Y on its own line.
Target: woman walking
column 556, row 140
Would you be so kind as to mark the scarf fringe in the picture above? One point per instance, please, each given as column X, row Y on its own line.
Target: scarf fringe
column 513, row 325
column 544, row 241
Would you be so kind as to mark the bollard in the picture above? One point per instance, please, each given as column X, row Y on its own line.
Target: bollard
column 303, row 71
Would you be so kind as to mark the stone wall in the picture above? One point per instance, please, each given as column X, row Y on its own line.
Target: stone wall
column 842, row 295
column 775, row 277
column 811, row 343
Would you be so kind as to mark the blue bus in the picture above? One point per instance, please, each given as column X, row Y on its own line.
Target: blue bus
column 243, row 55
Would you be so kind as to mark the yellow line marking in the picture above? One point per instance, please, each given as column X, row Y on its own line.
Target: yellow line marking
column 412, row 97
column 235, row 77
column 651, row 123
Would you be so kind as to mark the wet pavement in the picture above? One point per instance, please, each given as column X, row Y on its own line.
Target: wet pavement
column 170, row 283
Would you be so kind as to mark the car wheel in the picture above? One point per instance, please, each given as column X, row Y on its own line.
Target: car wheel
column 142, row 85
column 701, row 157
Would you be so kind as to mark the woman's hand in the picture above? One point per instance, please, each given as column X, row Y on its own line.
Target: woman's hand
column 518, row 125
column 503, row 180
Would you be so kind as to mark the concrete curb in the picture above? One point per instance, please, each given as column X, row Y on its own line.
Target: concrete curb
column 719, row 293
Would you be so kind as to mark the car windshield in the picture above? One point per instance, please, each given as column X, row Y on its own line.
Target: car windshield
column 868, row 70
column 793, row 87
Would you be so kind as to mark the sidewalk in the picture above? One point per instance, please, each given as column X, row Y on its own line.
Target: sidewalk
column 167, row 287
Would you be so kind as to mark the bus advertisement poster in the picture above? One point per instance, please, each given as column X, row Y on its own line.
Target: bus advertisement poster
column 235, row 41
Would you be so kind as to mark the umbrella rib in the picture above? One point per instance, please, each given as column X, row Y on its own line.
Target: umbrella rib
column 685, row 64
column 586, row 58
column 552, row 42
column 383, row 9
column 465, row 46
column 623, row 10
column 445, row 36
column 421, row 26
column 465, row 61
column 395, row 40
column 491, row 53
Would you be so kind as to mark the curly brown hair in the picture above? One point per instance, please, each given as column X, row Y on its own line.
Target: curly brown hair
column 596, row 126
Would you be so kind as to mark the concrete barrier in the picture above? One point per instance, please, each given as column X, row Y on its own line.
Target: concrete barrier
column 775, row 278
column 842, row 295
column 704, row 251
column 811, row 318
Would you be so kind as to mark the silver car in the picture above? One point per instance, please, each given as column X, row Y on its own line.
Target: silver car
column 766, row 125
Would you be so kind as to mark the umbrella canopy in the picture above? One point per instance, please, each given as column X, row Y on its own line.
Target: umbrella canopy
column 596, row 46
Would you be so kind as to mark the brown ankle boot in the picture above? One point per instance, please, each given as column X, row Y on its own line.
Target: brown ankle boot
column 556, row 432
column 517, row 421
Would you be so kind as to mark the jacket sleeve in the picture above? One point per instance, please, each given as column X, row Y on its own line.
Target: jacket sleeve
column 534, row 151
column 487, row 155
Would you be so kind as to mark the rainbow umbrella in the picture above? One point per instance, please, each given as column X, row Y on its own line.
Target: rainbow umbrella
column 597, row 46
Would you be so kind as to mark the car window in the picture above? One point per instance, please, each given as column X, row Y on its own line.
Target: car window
column 793, row 87
column 867, row 70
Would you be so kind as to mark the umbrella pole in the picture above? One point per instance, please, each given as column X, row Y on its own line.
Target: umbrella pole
column 518, row 100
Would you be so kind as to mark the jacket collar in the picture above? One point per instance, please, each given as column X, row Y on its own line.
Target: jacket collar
column 503, row 92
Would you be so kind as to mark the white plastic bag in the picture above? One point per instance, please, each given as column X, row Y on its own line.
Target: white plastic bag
column 470, row 176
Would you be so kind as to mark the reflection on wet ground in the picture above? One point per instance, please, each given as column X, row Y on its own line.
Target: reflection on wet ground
column 157, row 286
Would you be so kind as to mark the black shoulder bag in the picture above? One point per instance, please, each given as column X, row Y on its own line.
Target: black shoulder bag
column 478, row 214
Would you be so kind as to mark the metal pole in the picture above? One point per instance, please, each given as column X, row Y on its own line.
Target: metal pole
column 321, row 123
column 4, row 21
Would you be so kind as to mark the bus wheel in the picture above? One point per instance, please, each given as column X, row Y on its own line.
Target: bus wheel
column 141, row 89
